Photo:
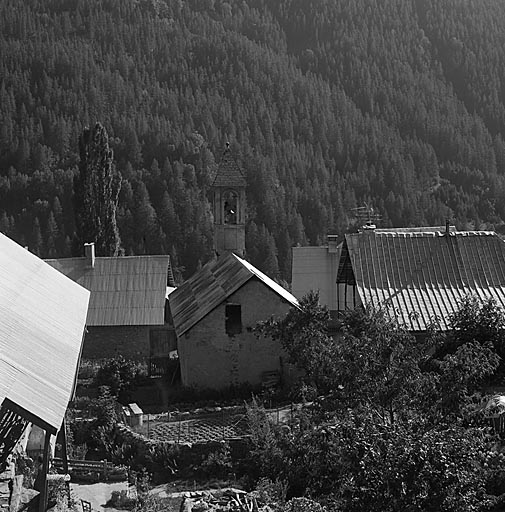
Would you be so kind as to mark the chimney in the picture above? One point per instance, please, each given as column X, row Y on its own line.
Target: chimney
column 447, row 227
column 89, row 253
column 332, row 243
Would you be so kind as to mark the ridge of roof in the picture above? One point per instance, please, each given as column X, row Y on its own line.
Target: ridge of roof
column 120, row 258
column 418, row 229
column 276, row 287
column 420, row 233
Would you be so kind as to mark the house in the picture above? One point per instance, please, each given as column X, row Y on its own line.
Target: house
column 42, row 322
column 418, row 275
column 315, row 268
column 128, row 311
column 214, row 314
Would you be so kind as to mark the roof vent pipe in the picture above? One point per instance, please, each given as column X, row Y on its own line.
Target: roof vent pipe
column 89, row 253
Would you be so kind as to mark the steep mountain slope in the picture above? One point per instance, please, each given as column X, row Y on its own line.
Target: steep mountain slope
column 327, row 103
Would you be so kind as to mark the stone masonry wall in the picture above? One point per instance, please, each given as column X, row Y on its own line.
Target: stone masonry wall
column 210, row 358
column 132, row 342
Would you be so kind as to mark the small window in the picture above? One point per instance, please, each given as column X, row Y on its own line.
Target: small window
column 233, row 319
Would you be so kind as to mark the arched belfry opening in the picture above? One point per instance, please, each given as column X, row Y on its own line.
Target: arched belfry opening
column 229, row 204
column 231, row 207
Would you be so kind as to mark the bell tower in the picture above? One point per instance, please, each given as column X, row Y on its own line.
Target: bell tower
column 229, row 203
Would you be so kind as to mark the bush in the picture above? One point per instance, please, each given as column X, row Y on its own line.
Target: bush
column 120, row 375
column 97, row 432
column 121, row 500
column 217, row 463
column 151, row 503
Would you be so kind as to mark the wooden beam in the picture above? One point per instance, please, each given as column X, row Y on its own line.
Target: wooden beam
column 45, row 470
column 29, row 416
column 64, row 456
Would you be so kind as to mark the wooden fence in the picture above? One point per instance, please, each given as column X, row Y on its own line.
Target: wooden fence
column 91, row 470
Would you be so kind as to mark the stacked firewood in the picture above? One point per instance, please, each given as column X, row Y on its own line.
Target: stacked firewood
column 234, row 500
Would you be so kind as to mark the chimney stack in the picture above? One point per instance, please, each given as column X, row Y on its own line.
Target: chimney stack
column 447, row 228
column 89, row 253
column 332, row 243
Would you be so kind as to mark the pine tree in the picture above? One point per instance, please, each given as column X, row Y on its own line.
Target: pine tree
column 37, row 242
column 52, row 236
column 96, row 189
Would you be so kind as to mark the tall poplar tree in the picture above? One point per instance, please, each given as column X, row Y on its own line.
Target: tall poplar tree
column 96, row 191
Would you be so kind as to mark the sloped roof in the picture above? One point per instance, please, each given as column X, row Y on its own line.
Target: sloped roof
column 42, row 320
column 210, row 286
column 127, row 290
column 228, row 173
column 421, row 275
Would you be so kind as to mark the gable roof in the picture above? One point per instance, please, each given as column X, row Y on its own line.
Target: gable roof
column 228, row 173
column 127, row 290
column 42, row 320
column 213, row 284
column 421, row 275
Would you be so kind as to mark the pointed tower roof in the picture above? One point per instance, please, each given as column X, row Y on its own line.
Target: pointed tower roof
column 228, row 172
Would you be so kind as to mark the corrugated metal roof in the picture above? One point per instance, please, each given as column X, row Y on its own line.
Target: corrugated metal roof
column 42, row 320
column 228, row 173
column 422, row 275
column 210, row 286
column 127, row 290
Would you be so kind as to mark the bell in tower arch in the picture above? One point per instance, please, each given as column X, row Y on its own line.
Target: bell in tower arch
column 230, row 207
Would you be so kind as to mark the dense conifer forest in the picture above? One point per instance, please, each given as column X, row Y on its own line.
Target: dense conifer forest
column 327, row 104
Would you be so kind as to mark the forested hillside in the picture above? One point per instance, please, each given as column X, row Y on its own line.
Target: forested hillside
column 327, row 104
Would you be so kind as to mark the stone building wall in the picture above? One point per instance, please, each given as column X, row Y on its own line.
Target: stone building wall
column 128, row 341
column 132, row 342
column 212, row 358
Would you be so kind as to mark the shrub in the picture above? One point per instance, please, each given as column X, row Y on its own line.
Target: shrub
column 217, row 463
column 120, row 375
column 121, row 500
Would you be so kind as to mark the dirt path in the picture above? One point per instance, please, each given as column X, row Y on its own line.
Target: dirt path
column 97, row 494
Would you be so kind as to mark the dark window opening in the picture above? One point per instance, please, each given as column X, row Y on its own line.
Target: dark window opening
column 161, row 343
column 233, row 319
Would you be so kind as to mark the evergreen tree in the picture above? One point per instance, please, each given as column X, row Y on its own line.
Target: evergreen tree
column 96, row 187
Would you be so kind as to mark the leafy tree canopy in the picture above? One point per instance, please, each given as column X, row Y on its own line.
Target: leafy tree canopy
column 396, row 425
